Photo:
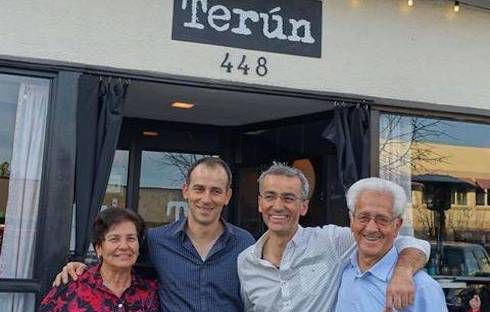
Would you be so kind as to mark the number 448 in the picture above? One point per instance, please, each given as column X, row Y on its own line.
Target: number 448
column 260, row 69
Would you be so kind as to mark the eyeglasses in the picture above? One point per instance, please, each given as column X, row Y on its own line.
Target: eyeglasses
column 380, row 220
column 285, row 197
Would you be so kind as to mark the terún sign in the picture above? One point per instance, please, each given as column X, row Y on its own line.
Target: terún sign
column 281, row 26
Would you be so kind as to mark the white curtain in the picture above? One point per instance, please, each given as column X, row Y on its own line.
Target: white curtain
column 395, row 159
column 17, row 254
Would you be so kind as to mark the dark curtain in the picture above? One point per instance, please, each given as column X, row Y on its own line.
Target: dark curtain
column 349, row 132
column 99, row 119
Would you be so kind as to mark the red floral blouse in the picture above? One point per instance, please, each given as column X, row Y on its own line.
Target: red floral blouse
column 88, row 294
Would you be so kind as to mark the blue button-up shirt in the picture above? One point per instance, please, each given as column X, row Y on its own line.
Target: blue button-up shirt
column 365, row 291
column 189, row 283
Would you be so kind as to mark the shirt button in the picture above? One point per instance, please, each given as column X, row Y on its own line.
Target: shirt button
column 120, row 306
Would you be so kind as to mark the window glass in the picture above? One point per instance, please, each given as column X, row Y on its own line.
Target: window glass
column 480, row 197
column 452, row 260
column 483, row 261
column 24, row 302
column 115, row 195
column 426, row 156
column 9, row 92
column 23, row 111
column 459, row 198
column 161, row 180
column 23, row 108
column 471, row 262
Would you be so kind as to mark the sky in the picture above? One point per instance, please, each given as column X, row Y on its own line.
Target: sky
column 446, row 131
column 155, row 170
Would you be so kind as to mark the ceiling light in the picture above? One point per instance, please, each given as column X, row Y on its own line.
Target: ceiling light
column 456, row 6
column 150, row 133
column 410, row 3
column 182, row 105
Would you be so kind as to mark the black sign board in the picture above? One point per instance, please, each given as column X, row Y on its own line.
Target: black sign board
column 282, row 26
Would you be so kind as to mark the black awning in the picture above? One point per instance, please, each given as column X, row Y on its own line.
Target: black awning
column 444, row 179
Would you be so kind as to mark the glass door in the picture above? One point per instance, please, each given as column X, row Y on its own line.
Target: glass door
column 151, row 163
column 162, row 175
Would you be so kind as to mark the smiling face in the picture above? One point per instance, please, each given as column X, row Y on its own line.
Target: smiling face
column 120, row 247
column 281, row 204
column 206, row 194
column 374, row 240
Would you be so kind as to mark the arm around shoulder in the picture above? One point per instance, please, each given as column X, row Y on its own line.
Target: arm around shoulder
column 417, row 249
column 340, row 237
column 413, row 254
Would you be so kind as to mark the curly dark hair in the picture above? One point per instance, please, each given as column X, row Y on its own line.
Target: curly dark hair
column 110, row 217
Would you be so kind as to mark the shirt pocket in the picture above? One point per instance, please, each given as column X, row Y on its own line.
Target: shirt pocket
column 314, row 278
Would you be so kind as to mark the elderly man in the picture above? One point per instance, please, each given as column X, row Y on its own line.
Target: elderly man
column 376, row 208
column 292, row 268
column 195, row 257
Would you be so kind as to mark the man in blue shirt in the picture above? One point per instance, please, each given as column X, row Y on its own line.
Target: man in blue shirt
column 376, row 208
column 196, row 258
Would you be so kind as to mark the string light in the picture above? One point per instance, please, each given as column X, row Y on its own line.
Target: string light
column 456, row 6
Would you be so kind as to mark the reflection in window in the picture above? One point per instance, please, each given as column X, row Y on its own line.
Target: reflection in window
column 161, row 180
column 481, row 197
column 458, row 197
column 416, row 152
column 23, row 111
column 115, row 195
column 13, row 302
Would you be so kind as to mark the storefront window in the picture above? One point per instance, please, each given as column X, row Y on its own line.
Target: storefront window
column 23, row 110
column 419, row 153
column 161, row 180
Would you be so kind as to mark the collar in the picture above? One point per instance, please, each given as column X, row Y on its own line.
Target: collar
column 182, row 223
column 382, row 269
column 93, row 275
column 295, row 241
column 298, row 236
column 180, row 227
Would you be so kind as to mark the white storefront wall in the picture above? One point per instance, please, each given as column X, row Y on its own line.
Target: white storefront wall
column 379, row 48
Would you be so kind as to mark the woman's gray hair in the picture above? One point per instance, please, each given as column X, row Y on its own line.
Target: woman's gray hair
column 278, row 169
column 378, row 185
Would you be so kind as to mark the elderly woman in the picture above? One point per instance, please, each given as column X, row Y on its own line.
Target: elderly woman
column 112, row 285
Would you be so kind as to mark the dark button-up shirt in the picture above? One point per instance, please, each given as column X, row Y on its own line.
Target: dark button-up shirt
column 189, row 283
column 89, row 294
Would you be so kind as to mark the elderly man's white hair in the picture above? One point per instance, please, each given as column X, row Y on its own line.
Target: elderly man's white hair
column 378, row 185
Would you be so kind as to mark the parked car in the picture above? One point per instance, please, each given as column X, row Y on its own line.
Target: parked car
column 460, row 259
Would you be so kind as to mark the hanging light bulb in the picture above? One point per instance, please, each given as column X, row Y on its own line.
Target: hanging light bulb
column 410, row 3
column 456, row 6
